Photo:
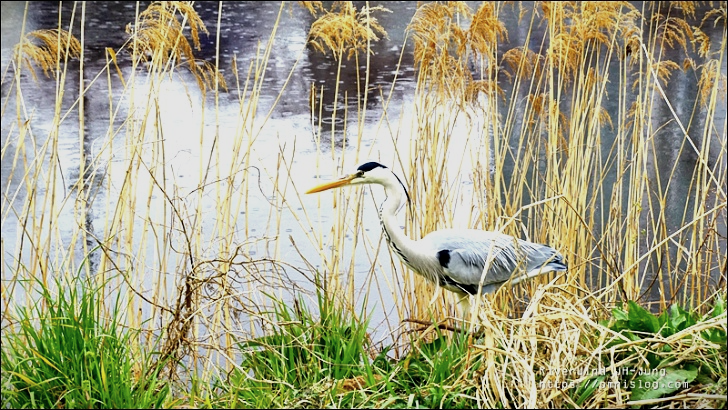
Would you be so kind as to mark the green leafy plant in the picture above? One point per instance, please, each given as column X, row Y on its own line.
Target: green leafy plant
column 654, row 337
column 716, row 334
column 653, row 385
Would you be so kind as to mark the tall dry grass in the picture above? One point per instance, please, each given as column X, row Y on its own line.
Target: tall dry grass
column 501, row 139
column 546, row 149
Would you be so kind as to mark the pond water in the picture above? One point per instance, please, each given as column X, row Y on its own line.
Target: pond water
column 284, row 130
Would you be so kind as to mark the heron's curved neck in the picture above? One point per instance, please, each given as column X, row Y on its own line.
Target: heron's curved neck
column 396, row 200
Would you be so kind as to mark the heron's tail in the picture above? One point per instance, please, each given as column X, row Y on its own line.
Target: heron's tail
column 557, row 264
column 554, row 264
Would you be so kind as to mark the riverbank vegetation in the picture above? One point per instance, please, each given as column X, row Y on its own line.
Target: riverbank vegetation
column 555, row 139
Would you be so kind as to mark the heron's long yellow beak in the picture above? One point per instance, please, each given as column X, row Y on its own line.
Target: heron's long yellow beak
column 335, row 184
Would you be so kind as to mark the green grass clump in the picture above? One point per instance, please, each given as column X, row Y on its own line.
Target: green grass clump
column 300, row 357
column 437, row 373
column 325, row 359
column 62, row 351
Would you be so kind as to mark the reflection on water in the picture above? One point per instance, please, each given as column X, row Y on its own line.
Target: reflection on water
column 286, row 128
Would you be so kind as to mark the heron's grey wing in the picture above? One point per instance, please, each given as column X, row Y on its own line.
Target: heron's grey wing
column 463, row 254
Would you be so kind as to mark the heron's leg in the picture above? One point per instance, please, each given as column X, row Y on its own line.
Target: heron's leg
column 464, row 303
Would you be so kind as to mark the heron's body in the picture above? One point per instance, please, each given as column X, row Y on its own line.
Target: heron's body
column 459, row 268
column 464, row 261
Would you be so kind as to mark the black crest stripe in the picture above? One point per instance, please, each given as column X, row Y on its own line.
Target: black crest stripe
column 370, row 166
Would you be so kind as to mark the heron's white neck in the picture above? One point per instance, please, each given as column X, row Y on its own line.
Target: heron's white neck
column 396, row 200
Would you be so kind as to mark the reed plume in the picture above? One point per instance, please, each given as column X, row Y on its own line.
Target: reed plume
column 157, row 38
column 47, row 49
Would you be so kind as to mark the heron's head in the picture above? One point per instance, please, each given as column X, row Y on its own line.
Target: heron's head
column 369, row 173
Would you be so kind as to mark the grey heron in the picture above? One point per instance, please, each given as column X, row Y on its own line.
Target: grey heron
column 465, row 261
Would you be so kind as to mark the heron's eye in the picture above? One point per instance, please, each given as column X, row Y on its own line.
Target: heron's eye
column 359, row 174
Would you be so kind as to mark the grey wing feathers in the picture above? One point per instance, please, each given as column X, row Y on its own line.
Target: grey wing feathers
column 464, row 253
